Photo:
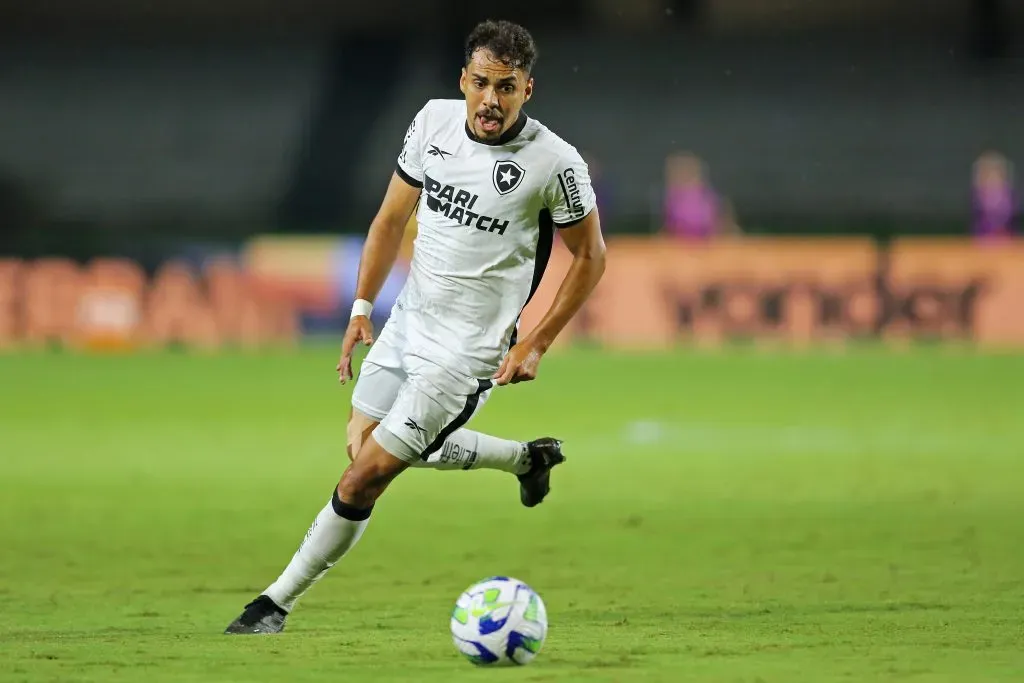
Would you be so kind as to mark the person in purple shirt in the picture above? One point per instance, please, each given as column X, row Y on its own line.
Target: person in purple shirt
column 994, row 201
column 692, row 208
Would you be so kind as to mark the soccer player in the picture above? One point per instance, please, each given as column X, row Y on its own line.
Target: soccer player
column 492, row 184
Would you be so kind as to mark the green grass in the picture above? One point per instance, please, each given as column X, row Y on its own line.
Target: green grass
column 723, row 517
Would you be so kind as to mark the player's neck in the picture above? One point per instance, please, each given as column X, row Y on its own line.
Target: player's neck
column 506, row 137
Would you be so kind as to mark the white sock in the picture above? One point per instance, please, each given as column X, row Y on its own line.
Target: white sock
column 333, row 533
column 469, row 450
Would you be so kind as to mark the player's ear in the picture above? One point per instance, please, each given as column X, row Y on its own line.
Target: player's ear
column 462, row 81
column 528, row 92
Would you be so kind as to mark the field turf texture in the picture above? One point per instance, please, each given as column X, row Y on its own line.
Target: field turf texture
column 733, row 517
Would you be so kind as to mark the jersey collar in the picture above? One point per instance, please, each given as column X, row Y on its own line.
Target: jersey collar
column 506, row 137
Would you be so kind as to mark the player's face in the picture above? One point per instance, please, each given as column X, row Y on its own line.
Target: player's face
column 494, row 94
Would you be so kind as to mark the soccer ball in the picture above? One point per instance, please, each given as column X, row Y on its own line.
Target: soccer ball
column 499, row 621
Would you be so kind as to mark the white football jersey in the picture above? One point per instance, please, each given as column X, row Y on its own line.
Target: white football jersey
column 486, row 216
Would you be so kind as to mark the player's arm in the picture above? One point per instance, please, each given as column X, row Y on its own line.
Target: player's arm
column 385, row 237
column 586, row 244
column 384, row 240
column 379, row 255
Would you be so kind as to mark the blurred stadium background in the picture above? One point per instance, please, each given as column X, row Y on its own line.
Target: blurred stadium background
column 792, row 407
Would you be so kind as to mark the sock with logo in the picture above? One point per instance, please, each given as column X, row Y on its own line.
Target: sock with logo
column 465, row 449
column 333, row 533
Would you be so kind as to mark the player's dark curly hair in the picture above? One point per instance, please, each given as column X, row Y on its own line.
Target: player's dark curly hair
column 510, row 44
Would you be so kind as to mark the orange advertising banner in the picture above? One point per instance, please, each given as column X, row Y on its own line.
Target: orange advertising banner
column 659, row 292
column 958, row 289
column 656, row 293
column 111, row 304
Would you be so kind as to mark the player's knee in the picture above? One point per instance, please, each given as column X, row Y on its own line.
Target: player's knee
column 360, row 485
column 368, row 475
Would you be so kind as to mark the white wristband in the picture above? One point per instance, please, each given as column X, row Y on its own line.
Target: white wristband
column 361, row 307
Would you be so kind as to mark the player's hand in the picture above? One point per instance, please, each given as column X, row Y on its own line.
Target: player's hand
column 360, row 329
column 520, row 364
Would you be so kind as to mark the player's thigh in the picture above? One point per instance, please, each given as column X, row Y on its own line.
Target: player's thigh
column 431, row 404
column 380, row 375
column 373, row 396
column 360, row 426
column 377, row 384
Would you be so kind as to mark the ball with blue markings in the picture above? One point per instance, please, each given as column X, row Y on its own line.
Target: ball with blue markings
column 499, row 621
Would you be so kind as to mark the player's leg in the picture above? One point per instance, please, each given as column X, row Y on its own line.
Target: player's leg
column 394, row 444
column 372, row 398
column 461, row 449
column 530, row 461
column 339, row 525
column 360, row 426
column 380, row 377
column 334, row 532
column 466, row 449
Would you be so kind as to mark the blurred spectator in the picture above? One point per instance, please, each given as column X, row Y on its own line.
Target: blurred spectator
column 994, row 200
column 693, row 210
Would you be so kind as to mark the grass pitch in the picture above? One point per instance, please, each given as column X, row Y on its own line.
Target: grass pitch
column 732, row 517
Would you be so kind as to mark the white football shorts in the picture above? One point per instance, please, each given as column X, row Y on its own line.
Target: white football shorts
column 417, row 402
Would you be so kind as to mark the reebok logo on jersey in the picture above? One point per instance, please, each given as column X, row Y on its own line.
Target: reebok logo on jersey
column 436, row 151
column 571, row 191
column 458, row 205
column 506, row 176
